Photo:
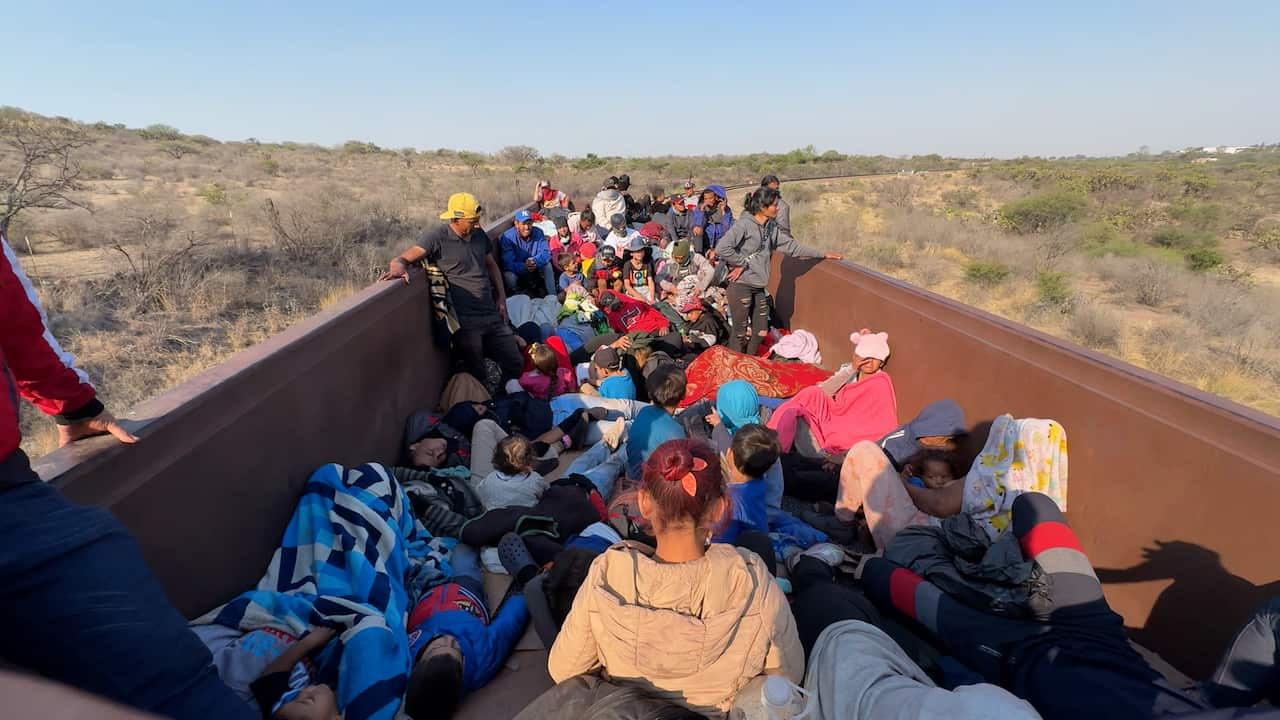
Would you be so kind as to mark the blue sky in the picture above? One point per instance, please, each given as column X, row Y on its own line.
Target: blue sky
column 969, row 79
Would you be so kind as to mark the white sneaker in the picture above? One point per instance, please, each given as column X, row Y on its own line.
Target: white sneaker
column 829, row 553
column 612, row 433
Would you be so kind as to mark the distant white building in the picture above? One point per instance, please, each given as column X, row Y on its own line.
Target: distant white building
column 1225, row 149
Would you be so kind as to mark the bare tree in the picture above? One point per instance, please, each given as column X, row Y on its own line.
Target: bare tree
column 44, row 173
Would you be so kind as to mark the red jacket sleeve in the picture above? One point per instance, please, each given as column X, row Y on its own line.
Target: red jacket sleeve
column 40, row 369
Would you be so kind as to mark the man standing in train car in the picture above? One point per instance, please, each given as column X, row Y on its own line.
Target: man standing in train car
column 464, row 253
column 784, row 210
column 81, row 606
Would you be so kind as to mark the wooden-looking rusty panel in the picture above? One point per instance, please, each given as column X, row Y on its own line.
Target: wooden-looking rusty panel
column 1172, row 491
column 223, row 457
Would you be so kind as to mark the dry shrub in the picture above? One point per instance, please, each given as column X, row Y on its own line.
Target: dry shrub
column 1095, row 325
column 1151, row 282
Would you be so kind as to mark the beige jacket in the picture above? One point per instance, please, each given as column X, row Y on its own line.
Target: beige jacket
column 693, row 632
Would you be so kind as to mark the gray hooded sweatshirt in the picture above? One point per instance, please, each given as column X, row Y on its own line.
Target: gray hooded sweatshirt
column 749, row 244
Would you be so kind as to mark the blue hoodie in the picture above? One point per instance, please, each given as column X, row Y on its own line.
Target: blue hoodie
column 938, row 418
column 713, row 230
column 515, row 249
column 452, row 610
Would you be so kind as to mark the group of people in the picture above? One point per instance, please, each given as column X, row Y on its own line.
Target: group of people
column 697, row 519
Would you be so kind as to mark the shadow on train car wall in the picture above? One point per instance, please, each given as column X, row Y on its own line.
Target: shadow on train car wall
column 1172, row 490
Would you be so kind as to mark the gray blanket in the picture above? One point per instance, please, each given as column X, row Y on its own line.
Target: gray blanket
column 960, row 559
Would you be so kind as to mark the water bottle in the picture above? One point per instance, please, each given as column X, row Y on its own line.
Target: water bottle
column 783, row 699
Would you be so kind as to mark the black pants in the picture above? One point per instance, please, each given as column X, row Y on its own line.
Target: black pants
column 493, row 339
column 749, row 313
column 760, row 544
column 805, row 479
column 1072, row 661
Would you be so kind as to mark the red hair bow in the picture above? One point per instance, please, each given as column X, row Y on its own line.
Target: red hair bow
column 690, row 482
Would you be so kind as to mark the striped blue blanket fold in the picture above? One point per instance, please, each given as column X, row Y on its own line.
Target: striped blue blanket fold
column 348, row 557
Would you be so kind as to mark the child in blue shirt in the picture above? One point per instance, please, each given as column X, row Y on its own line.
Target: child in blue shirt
column 753, row 451
column 654, row 424
column 572, row 266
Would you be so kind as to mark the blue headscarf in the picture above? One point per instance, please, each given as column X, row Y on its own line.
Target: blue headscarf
column 738, row 405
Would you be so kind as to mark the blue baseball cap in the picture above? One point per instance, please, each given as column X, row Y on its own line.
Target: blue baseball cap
column 524, row 216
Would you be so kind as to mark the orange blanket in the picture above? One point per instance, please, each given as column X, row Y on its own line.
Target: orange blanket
column 771, row 378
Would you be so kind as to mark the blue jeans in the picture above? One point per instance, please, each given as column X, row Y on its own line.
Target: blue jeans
column 466, row 569
column 601, row 466
column 78, row 604
column 565, row 405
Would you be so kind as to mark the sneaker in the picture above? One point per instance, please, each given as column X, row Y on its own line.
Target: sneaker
column 612, row 433
column 829, row 553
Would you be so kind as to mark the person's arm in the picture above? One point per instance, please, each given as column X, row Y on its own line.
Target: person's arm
column 941, row 503
column 575, row 652
column 499, row 291
column 504, row 633
column 43, row 372
column 790, row 246
column 509, row 260
column 786, row 654
column 832, row 385
column 653, row 293
column 542, row 251
column 727, row 247
column 706, row 273
column 721, row 440
column 313, row 641
column 400, row 264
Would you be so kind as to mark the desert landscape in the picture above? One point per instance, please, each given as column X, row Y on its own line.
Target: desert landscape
column 165, row 252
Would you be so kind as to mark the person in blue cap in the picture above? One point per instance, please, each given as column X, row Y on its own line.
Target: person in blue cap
column 526, row 259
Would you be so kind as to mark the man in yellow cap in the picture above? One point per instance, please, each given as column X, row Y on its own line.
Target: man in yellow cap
column 464, row 253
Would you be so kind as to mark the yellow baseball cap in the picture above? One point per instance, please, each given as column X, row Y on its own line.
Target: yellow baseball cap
column 462, row 206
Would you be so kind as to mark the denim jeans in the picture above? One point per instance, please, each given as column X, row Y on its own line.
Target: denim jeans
column 1248, row 671
column 466, row 569
column 601, row 466
column 565, row 405
column 80, row 606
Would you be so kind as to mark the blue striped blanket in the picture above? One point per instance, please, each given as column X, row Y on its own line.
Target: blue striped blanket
column 348, row 557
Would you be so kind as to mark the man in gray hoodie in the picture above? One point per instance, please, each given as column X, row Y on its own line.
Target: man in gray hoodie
column 747, row 248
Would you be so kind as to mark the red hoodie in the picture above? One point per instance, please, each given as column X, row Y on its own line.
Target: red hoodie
column 32, row 364
column 636, row 316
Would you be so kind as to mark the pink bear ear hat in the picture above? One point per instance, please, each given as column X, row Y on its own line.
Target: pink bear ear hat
column 867, row 344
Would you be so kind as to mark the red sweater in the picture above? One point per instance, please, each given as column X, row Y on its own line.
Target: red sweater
column 32, row 364
column 636, row 316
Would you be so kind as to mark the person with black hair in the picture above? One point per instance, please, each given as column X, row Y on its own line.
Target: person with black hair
column 656, row 424
column 784, row 210
column 748, row 250
column 456, row 646
column 752, row 451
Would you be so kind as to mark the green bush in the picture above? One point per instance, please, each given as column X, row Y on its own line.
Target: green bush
column 590, row 162
column 214, row 194
column 270, row 166
column 1103, row 238
column 1203, row 259
column 1179, row 238
column 986, row 274
column 961, row 198
column 1041, row 212
column 160, row 132
column 1054, row 288
column 884, row 255
column 1200, row 215
column 357, row 147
